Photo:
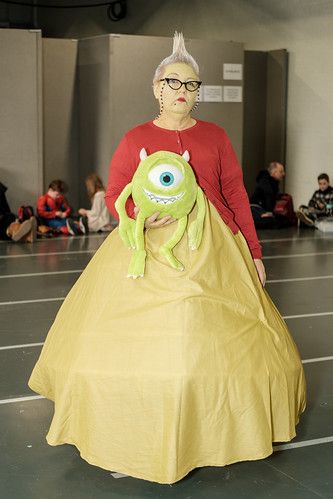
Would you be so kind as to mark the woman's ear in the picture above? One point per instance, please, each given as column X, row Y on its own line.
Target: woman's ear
column 156, row 90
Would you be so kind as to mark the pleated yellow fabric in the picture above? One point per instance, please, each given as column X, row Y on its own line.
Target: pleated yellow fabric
column 156, row 376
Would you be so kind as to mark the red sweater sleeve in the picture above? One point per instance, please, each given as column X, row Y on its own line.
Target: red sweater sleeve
column 236, row 197
column 122, row 168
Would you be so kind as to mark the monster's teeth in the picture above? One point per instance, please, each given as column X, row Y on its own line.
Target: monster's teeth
column 165, row 199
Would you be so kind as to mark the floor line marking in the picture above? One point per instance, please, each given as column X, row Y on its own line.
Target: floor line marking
column 77, row 271
column 39, row 300
column 269, row 257
column 317, row 359
column 31, row 345
column 283, row 239
column 276, row 448
column 61, row 298
column 305, row 443
column 37, row 274
column 297, row 255
column 301, row 316
column 50, row 253
column 21, row 399
column 292, row 279
column 65, row 238
column 25, row 345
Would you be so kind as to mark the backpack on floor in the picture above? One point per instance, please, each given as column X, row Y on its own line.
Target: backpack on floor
column 284, row 207
column 25, row 213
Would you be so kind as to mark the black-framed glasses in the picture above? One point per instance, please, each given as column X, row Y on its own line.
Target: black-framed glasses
column 175, row 84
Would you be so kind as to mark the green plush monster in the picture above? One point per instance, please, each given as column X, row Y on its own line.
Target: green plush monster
column 163, row 182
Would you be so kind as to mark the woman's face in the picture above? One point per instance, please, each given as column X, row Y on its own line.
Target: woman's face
column 179, row 101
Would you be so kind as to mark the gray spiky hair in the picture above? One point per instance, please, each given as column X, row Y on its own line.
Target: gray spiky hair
column 179, row 54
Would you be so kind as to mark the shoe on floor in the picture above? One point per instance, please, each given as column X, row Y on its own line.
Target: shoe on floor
column 72, row 227
column 18, row 230
column 303, row 217
column 32, row 235
column 83, row 224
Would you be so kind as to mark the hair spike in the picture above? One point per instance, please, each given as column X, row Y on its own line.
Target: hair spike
column 179, row 54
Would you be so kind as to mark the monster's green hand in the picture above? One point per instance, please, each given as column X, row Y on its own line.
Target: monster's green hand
column 196, row 227
column 126, row 224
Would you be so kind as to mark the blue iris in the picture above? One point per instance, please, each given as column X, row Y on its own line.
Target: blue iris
column 167, row 179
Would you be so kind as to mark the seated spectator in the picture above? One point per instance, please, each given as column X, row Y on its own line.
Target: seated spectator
column 320, row 205
column 10, row 227
column 53, row 210
column 98, row 217
column 265, row 197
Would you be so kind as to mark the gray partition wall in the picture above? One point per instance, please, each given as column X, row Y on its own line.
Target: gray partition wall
column 115, row 74
column 60, row 114
column 65, row 104
column 21, row 115
column 95, row 109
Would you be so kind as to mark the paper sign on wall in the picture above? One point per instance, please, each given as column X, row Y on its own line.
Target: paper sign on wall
column 212, row 93
column 232, row 71
column 232, row 94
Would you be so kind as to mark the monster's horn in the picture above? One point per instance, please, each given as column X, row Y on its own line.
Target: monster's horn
column 186, row 155
column 143, row 154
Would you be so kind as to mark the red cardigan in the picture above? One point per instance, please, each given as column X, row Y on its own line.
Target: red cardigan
column 214, row 163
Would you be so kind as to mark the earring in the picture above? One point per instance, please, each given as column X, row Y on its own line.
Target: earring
column 196, row 102
column 161, row 102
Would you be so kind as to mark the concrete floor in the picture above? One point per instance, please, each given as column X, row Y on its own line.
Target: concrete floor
column 33, row 281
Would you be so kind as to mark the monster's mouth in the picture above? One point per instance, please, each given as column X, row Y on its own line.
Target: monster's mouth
column 163, row 199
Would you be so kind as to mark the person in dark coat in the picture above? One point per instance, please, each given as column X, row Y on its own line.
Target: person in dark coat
column 6, row 216
column 10, row 227
column 265, row 195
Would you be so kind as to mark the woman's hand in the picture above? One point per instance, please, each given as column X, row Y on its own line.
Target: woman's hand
column 82, row 212
column 152, row 222
column 261, row 270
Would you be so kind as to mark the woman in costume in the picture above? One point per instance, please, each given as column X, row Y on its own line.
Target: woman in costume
column 156, row 376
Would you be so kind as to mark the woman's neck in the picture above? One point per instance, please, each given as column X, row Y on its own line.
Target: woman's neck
column 174, row 121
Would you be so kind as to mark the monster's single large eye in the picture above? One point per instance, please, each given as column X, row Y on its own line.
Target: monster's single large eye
column 165, row 176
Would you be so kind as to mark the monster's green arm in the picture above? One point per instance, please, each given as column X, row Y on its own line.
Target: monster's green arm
column 196, row 227
column 126, row 224
column 137, row 263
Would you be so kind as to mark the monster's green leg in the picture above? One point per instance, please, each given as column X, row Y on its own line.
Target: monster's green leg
column 166, row 249
column 126, row 224
column 195, row 229
column 137, row 264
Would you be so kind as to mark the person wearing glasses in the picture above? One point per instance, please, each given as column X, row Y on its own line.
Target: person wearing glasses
column 155, row 376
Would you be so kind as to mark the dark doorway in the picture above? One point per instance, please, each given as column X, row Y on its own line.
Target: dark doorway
column 265, row 111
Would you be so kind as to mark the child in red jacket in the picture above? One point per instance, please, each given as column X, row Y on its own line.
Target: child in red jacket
column 54, row 210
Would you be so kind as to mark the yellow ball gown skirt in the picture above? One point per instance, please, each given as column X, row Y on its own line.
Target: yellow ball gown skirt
column 156, row 376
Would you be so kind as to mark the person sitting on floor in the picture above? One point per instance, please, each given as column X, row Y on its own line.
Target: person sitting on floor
column 320, row 205
column 98, row 217
column 10, row 227
column 54, row 211
column 265, row 196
